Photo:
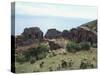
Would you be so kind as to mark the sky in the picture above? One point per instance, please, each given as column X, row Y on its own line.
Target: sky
column 46, row 16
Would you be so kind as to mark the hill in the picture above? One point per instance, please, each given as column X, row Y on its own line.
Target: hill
column 92, row 25
column 56, row 51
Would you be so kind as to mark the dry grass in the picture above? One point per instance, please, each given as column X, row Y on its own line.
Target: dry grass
column 54, row 61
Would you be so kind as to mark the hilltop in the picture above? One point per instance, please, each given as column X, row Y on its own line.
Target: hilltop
column 92, row 25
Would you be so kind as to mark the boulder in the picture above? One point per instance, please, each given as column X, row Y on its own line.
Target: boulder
column 53, row 45
column 52, row 34
column 65, row 34
column 29, row 36
column 33, row 33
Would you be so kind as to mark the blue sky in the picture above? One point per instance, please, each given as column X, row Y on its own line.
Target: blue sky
column 48, row 16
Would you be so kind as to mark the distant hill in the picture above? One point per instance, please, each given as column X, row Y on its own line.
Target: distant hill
column 92, row 25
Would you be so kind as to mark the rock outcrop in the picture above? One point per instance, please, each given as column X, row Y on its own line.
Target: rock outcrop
column 53, row 45
column 29, row 36
column 65, row 34
column 52, row 34
column 33, row 33
column 82, row 35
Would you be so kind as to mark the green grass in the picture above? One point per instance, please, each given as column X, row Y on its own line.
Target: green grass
column 54, row 61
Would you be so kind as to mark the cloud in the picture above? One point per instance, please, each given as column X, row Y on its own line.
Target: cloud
column 56, row 10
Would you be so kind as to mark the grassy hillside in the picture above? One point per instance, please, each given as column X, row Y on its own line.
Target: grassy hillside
column 52, row 62
column 91, row 25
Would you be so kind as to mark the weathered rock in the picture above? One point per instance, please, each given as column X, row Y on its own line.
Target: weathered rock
column 19, row 40
column 29, row 36
column 53, row 33
column 33, row 33
column 82, row 35
column 65, row 33
column 53, row 45
column 85, row 33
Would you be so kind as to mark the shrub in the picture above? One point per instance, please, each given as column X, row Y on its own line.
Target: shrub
column 32, row 60
column 85, row 45
column 83, row 65
column 29, row 53
column 58, row 67
column 42, row 51
column 64, row 53
column 86, row 64
column 94, row 45
column 72, row 47
column 54, row 54
column 70, row 63
column 41, row 56
column 50, row 55
column 64, row 64
column 50, row 68
column 44, row 48
column 38, row 52
column 20, row 58
column 41, row 64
